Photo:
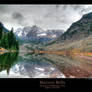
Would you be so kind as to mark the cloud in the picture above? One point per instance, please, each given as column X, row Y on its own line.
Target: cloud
column 45, row 16
column 18, row 17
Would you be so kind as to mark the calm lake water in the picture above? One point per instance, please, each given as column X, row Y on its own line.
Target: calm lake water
column 28, row 65
column 25, row 65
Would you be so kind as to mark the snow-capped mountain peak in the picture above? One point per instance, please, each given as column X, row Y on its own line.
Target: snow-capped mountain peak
column 36, row 33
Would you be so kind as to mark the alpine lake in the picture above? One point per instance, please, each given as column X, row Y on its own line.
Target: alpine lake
column 24, row 64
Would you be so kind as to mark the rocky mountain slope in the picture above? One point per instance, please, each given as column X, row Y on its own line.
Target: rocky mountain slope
column 79, row 35
column 79, row 30
column 4, row 29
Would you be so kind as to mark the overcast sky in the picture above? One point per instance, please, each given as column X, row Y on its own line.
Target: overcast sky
column 45, row 16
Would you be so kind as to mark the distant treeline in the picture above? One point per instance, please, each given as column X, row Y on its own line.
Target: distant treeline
column 8, row 40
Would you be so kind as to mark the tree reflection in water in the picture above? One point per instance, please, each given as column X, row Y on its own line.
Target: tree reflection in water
column 7, row 60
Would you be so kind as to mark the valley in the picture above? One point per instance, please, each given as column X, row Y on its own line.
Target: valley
column 37, row 53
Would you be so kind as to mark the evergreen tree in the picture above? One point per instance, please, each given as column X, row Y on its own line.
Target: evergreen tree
column 8, row 40
column 0, row 33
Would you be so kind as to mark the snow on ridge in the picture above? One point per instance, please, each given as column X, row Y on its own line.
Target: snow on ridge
column 34, row 31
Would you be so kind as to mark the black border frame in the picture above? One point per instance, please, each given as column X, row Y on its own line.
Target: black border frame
column 45, row 1
column 34, row 84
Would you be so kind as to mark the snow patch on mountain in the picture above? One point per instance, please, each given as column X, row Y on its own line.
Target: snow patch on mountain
column 36, row 33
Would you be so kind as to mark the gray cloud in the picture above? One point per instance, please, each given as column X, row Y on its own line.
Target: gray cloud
column 18, row 17
column 46, row 16
column 3, row 9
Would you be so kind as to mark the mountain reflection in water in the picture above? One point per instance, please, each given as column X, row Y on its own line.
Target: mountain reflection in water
column 12, row 65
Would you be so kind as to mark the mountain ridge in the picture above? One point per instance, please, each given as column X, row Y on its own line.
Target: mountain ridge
column 78, row 36
column 36, row 33
column 79, row 29
column 3, row 27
